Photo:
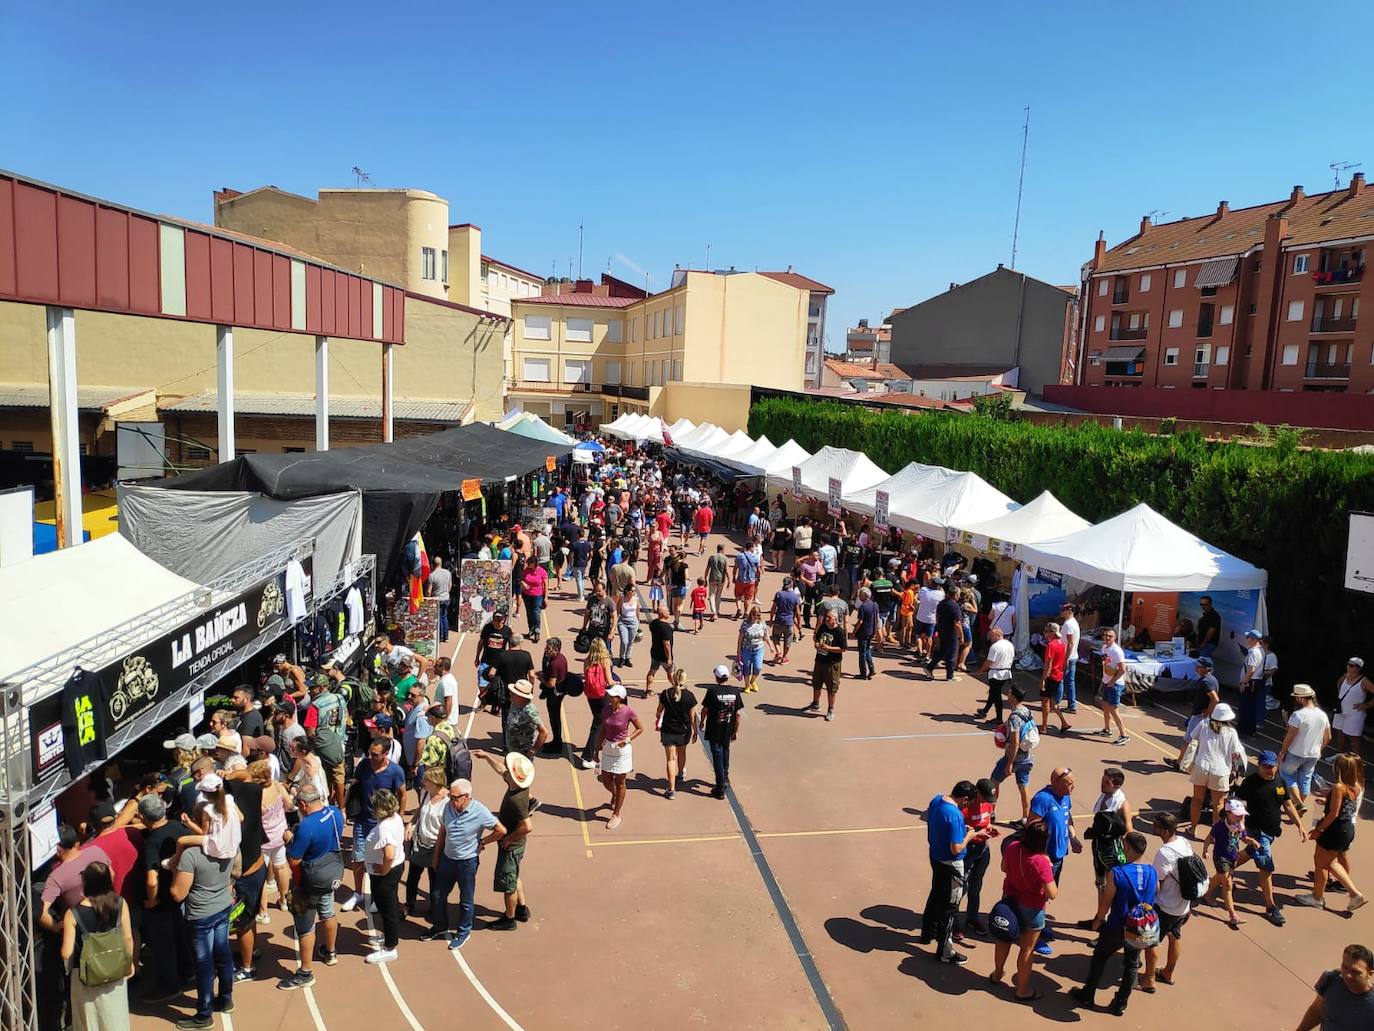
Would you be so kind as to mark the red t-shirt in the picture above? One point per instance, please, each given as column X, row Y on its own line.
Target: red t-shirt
column 125, row 849
column 1054, row 659
column 702, row 519
column 1026, row 876
column 665, row 522
column 698, row 599
column 978, row 815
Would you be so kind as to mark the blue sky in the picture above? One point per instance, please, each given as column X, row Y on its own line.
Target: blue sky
column 874, row 146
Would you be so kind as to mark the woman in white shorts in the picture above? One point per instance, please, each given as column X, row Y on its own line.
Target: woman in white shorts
column 619, row 726
column 1218, row 751
column 274, row 800
column 1354, row 698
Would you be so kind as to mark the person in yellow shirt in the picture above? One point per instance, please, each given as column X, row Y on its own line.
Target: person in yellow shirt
column 906, row 615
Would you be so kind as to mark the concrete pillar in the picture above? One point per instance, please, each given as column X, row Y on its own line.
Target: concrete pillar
column 322, row 393
column 386, row 393
column 66, row 429
column 224, row 378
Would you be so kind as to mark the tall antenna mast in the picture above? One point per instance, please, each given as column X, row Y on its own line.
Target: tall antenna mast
column 1337, row 167
column 580, row 228
column 1020, row 184
column 360, row 176
column 708, row 257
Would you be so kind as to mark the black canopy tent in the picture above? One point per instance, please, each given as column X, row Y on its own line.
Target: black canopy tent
column 400, row 482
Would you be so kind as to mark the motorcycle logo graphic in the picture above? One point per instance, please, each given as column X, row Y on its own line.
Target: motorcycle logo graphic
column 137, row 679
column 272, row 604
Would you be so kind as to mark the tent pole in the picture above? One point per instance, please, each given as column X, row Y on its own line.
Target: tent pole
column 1121, row 614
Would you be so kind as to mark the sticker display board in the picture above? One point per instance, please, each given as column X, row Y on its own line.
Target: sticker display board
column 880, row 507
column 483, row 587
column 832, row 500
column 421, row 627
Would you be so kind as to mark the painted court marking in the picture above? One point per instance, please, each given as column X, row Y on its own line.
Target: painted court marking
column 386, row 973
column 481, row 990
column 907, row 737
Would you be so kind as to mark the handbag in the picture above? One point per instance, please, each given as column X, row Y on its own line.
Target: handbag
column 582, row 643
column 1003, row 921
column 1185, row 765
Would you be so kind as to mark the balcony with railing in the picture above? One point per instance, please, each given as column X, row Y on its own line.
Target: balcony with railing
column 1204, row 328
column 1333, row 324
column 543, row 386
column 1328, row 370
column 1121, row 294
column 1339, row 269
column 1201, row 369
column 627, row 392
column 1121, row 333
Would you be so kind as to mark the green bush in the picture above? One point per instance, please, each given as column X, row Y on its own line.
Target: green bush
column 1280, row 507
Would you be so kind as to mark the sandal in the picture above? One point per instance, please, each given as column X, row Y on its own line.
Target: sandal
column 1161, row 979
column 1035, row 996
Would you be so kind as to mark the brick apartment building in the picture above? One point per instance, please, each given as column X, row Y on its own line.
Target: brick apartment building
column 1264, row 298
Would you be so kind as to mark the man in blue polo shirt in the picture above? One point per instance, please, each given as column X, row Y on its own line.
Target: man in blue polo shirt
column 456, row 855
column 316, row 867
column 1130, row 885
column 948, row 837
column 1053, row 806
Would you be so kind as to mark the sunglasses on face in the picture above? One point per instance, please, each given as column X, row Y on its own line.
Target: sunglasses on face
column 457, row 798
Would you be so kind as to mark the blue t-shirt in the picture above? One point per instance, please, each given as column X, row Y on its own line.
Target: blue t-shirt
column 785, row 606
column 746, row 567
column 558, row 501
column 463, row 831
column 1135, row 883
column 944, row 828
column 392, row 777
column 868, row 619
column 1055, row 812
column 316, row 835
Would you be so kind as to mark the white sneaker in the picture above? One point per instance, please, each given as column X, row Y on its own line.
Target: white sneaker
column 264, row 917
column 354, row 901
column 1310, row 900
column 1356, row 901
column 381, row 956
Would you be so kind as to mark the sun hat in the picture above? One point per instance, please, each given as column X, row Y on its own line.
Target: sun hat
column 522, row 689
column 1303, row 691
column 521, row 770
column 185, row 742
column 230, row 739
column 207, row 742
column 1223, row 713
column 616, row 691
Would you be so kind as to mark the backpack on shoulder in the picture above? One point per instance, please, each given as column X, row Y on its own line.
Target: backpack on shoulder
column 104, row 960
column 1192, row 877
column 1141, row 929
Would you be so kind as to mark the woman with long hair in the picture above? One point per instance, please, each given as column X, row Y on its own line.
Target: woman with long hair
column 103, row 1006
column 627, row 623
column 676, row 728
column 749, row 647
column 306, row 769
column 619, row 727
column 274, row 802
column 1029, row 886
column 596, row 678
column 1335, row 833
column 385, row 861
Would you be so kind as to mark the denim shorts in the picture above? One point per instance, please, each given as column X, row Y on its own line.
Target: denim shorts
column 1031, row 919
column 1263, row 857
column 1112, row 695
column 1297, row 772
column 359, row 845
column 925, row 629
column 1021, row 768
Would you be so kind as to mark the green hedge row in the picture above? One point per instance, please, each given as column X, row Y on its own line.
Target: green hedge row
column 1280, row 507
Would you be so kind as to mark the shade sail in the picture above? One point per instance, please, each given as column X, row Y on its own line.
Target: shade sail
column 753, row 456
column 1043, row 519
column 904, row 488
column 853, row 469
column 1140, row 550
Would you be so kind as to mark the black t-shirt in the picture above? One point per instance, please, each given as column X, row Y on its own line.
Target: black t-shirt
column 719, row 708
column 513, row 665
column 494, row 641
column 680, row 574
column 833, row 636
column 1209, row 620
column 581, row 551
column 158, row 844
column 84, row 709
column 250, row 724
column 947, row 614
column 248, row 796
column 661, row 639
column 599, row 612
column 677, row 714
column 1264, row 799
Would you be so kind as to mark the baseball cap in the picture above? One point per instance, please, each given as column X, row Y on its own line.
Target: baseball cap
column 1236, row 807
column 186, row 742
column 1357, row 662
column 279, row 658
column 1205, row 662
column 616, row 691
column 722, row 672
column 382, row 722
column 207, row 742
column 1252, row 632
column 286, row 707
column 211, row 782
column 1268, row 758
column 102, row 811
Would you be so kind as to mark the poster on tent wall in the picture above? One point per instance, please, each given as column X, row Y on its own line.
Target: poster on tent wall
column 483, row 587
column 796, row 480
column 421, row 627
column 832, row 501
column 881, row 501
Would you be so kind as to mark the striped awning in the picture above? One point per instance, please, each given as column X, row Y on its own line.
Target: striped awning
column 1217, row 273
column 1123, row 353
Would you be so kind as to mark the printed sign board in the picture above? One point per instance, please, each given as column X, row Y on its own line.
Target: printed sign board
column 832, row 502
column 880, row 508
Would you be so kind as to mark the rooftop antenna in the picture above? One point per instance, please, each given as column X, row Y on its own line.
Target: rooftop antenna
column 1337, row 167
column 1020, row 184
column 1156, row 217
column 360, row 177
column 708, row 257
column 580, row 227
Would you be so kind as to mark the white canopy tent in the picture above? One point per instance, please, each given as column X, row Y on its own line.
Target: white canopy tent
column 738, row 443
column 530, row 425
column 680, row 427
column 904, row 489
column 753, row 457
column 707, row 444
column 1043, row 519
column 950, row 501
column 782, row 460
column 622, row 426
column 701, row 432
column 853, row 469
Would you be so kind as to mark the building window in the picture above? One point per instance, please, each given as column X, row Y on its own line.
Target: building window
column 680, row 314
column 197, row 454
column 1144, row 282
column 426, row 262
column 1223, row 354
column 1290, row 354
column 811, row 364
column 1180, row 278
column 293, row 450
column 1099, row 324
column 1295, row 311
column 1135, row 320
column 484, row 273
column 615, row 331
column 1176, row 318
column 1299, row 264
column 1101, row 288
column 634, row 330
column 658, row 326
column 537, row 327
column 1228, row 313
column 1094, row 357
column 443, row 266
column 27, row 446
column 537, row 370
column 677, row 369
column 577, row 371
column 579, row 331
column 1171, row 356
column 613, row 373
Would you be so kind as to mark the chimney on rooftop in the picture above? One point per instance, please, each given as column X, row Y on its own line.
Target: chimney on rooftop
column 1296, row 195
column 1099, row 250
column 1356, row 185
column 1145, row 224
column 789, row 268
column 1223, row 209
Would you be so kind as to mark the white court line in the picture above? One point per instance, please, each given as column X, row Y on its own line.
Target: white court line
column 386, row 974
column 309, row 991
column 506, row 1018
column 903, row 737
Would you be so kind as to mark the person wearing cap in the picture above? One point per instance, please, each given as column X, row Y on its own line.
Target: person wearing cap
column 718, row 720
column 517, row 816
column 1229, row 840
column 164, row 929
column 285, row 729
column 317, row 867
column 619, row 727
column 1208, row 692
column 324, row 724
column 1309, row 731
column 1354, row 699
column 525, row 731
column 184, row 752
column 1252, row 710
column 1266, row 798
column 1217, row 750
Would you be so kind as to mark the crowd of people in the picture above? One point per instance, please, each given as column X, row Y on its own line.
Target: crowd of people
column 305, row 783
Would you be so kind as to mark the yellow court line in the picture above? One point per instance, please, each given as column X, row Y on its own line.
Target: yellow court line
column 581, row 812
column 843, row 830
column 1142, row 736
column 669, row 841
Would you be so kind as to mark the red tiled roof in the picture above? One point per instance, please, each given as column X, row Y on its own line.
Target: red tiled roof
column 853, row 370
column 507, row 265
column 904, row 401
column 799, row 281
column 578, row 300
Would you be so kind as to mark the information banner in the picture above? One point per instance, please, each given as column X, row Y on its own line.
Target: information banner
column 796, row 480
column 832, row 503
column 472, row 490
column 880, row 507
